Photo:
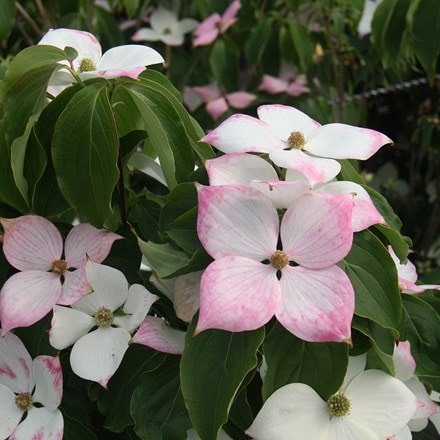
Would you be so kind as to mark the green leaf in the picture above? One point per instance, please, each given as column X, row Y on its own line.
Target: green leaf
column 257, row 41
column 397, row 242
column 85, row 152
column 223, row 61
column 302, row 44
column 348, row 172
column 131, row 7
column 420, row 324
column 290, row 359
column 214, row 364
column 115, row 403
column 74, row 430
column 7, row 18
column 374, row 277
column 424, row 18
column 380, row 356
column 162, row 415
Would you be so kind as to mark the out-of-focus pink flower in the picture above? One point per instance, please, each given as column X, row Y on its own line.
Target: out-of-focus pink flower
column 287, row 82
column 364, row 26
column 165, row 27
column 30, row 393
column 208, row 30
column 49, row 274
column 407, row 276
column 218, row 101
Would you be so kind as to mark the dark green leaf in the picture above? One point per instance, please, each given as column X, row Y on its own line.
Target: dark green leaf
column 257, row 42
column 374, row 277
column 214, row 364
column 290, row 359
column 85, row 151
column 7, row 18
column 223, row 61
column 302, row 43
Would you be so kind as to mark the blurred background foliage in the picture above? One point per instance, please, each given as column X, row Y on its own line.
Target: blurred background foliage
column 377, row 70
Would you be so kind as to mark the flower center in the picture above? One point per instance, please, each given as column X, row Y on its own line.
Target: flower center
column 428, row 387
column 86, row 65
column 167, row 31
column 104, row 317
column 279, row 259
column 338, row 405
column 23, row 401
column 296, row 140
column 59, row 267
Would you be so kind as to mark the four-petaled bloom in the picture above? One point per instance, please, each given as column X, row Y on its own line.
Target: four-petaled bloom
column 128, row 60
column 218, row 101
column 116, row 310
column 252, row 279
column 216, row 24
column 372, row 406
column 32, row 389
column 295, row 141
column 287, row 82
column 34, row 246
column 165, row 27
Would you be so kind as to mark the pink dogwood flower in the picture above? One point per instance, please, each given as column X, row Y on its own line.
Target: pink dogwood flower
column 34, row 246
column 117, row 310
column 218, row 101
column 165, row 27
column 295, row 141
column 407, row 276
column 30, row 393
column 128, row 60
column 287, row 82
column 252, row 279
column 249, row 169
column 208, row 30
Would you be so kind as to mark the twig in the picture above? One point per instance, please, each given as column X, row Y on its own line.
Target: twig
column 43, row 14
column 28, row 18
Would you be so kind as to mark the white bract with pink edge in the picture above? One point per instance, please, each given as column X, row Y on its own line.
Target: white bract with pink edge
column 30, row 393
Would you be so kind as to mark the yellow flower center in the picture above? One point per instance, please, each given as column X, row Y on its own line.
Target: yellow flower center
column 338, row 405
column 59, row 267
column 296, row 140
column 23, row 401
column 104, row 317
column 86, row 65
column 279, row 259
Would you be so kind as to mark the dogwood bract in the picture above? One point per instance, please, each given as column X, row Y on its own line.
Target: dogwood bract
column 287, row 82
column 34, row 246
column 128, row 60
column 372, row 406
column 116, row 310
column 252, row 279
column 30, row 393
column 165, row 27
column 296, row 141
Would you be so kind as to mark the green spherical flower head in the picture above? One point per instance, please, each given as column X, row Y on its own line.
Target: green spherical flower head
column 87, row 65
column 104, row 317
column 338, row 405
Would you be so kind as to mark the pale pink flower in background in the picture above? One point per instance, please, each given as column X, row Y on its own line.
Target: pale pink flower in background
column 287, row 82
column 407, row 276
column 165, row 27
column 405, row 366
column 251, row 280
column 372, row 405
column 295, row 141
column 128, row 60
column 34, row 246
column 210, row 28
column 117, row 310
column 218, row 101
column 249, row 169
column 364, row 26
column 30, row 393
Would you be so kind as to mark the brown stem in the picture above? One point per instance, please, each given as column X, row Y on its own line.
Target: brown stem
column 28, row 18
column 43, row 14
column 121, row 188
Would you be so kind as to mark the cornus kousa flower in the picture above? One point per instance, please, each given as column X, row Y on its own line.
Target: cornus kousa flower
column 295, row 141
column 218, row 101
column 216, row 24
column 248, row 169
column 287, row 82
column 128, row 60
column 165, row 27
column 30, row 393
column 407, row 276
column 49, row 275
column 405, row 367
column 252, row 279
column 371, row 406
column 115, row 310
